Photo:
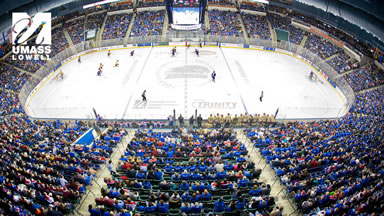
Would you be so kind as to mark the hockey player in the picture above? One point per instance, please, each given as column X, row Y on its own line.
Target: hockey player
column 143, row 95
column 173, row 51
column 201, row 45
column 117, row 63
column 189, row 45
column 79, row 60
column 261, row 96
column 213, row 75
column 311, row 75
column 132, row 52
column 101, row 66
column 61, row 74
column 99, row 72
column 197, row 52
column 109, row 53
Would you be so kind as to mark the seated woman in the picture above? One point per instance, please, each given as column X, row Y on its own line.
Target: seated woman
column 206, row 196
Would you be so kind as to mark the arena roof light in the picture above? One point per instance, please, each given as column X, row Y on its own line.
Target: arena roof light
column 260, row 1
column 99, row 3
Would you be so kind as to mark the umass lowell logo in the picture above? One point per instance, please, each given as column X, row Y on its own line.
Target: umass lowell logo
column 23, row 28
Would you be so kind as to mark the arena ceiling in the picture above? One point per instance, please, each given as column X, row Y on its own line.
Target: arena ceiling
column 368, row 14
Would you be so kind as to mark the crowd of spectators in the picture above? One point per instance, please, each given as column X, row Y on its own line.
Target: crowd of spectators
column 338, row 34
column 224, row 23
column 296, row 35
column 60, row 43
column 9, row 104
column 75, row 30
column 322, row 47
column 256, row 26
column 340, row 62
column 148, row 23
column 278, row 21
column 329, row 167
column 41, row 172
column 365, row 77
column 95, row 21
column 221, row 2
column 96, row 9
column 11, row 79
column 185, row 172
column 120, row 6
column 276, row 9
column 116, row 26
column 252, row 6
column 370, row 102
column 28, row 65
column 142, row 4
column 37, row 174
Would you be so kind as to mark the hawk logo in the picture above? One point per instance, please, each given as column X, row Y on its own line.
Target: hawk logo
column 23, row 27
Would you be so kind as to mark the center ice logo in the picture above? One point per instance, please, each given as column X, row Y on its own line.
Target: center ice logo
column 23, row 28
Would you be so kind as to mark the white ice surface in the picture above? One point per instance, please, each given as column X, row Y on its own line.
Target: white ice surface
column 184, row 83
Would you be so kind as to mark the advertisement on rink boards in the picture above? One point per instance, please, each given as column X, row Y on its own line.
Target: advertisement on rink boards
column 85, row 52
column 231, row 45
column 256, row 47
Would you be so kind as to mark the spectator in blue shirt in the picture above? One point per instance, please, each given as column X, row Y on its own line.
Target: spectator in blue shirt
column 240, row 203
column 184, row 186
column 206, row 196
column 168, row 168
column 158, row 174
column 185, row 208
column 94, row 211
column 243, row 182
column 119, row 204
column 203, row 167
column 150, row 208
column 219, row 205
column 175, row 177
column 185, row 175
column 162, row 207
column 197, row 208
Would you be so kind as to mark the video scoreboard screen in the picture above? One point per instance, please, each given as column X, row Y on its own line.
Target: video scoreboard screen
column 186, row 14
column 186, row 3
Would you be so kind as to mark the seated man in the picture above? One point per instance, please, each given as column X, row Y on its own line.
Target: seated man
column 219, row 205
column 162, row 207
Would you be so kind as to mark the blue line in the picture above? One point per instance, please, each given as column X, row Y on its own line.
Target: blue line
column 233, row 77
column 138, row 78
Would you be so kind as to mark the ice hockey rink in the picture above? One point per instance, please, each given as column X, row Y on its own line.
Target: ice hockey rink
column 184, row 83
